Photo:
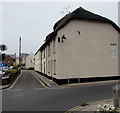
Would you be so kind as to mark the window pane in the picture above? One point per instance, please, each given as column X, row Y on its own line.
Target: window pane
column 114, row 53
column 113, row 47
column 54, row 67
column 114, row 50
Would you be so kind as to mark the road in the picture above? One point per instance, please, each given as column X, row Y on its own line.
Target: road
column 29, row 95
column 27, row 81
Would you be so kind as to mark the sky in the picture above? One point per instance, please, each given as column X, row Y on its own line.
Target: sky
column 33, row 21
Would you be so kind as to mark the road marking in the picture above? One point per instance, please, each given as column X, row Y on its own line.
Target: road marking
column 39, row 80
column 18, row 95
column 15, row 90
column 38, row 88
column 14, row 82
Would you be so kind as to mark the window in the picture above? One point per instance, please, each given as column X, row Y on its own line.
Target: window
column 44, row 53
column 54, row 67
column 49, row 67
column 44, row 67
column 54, row 46
column 48, row 49
column 114, row 50
column 58, row 39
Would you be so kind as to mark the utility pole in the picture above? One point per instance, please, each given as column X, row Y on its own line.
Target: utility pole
column 20, row 51
column 15, row 58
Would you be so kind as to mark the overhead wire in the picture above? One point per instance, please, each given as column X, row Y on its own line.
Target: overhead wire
column 22, row 19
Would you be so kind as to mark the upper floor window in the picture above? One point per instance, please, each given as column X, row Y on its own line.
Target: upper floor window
column 54, row 46
column 44, row 53
column 114, row 50
column 48, row 49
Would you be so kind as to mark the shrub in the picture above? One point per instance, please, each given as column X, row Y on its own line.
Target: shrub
column 7, row 72
column 11, row 71
column 106, row 108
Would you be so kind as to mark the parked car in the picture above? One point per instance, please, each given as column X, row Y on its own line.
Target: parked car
column 9, row 68
column 1, row 72
column 5, row 68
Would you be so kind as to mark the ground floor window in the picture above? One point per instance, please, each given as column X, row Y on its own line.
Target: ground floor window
column 44, row 67
column 54, row 67
column 49, row 67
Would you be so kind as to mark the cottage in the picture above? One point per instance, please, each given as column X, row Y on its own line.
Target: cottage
column 83, row 45
column 28, row 61
column 38, row 64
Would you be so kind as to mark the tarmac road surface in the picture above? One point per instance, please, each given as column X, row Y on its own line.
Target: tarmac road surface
column 29, row 95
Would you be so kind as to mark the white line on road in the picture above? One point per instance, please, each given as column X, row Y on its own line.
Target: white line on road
column 18, row 95
column 38, row 79
column 15, row 81
column 15, row 90
column 39, row 88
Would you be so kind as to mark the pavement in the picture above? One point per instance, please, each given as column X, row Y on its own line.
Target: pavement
column 93, row 106
column 89, row 107
column 50, row 84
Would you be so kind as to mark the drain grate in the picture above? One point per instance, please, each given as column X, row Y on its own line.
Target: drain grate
column 84, row 104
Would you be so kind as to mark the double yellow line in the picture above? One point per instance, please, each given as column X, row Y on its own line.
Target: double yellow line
column 39, row 80
column 74, row 109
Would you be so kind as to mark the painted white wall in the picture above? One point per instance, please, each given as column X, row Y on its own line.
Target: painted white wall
column 38, row 61
column 30, row 61
column 85, row 55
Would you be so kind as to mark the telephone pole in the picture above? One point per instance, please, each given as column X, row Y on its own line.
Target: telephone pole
column 20, row 51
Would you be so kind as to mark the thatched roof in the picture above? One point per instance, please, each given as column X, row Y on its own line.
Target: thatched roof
column 80, row 14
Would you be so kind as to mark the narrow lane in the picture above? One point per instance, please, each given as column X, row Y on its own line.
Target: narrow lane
column 27, row 81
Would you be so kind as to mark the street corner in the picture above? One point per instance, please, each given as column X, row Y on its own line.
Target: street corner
column 90, row 107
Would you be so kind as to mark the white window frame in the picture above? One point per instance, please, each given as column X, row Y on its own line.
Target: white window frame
column 48, row 49
column 44, row 67
column 44, row 53
column 54, row 67
column 114, row 50
column 49, row 67
column 54, row 46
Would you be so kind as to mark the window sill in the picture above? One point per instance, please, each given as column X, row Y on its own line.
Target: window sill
column 114, row 57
